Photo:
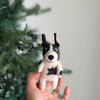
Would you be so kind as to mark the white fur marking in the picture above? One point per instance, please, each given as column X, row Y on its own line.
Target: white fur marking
column 51, row 47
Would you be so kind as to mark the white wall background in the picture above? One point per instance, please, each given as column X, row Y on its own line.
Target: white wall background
column 77, row 23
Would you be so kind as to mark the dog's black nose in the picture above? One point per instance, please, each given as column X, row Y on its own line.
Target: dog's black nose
column 50, row 57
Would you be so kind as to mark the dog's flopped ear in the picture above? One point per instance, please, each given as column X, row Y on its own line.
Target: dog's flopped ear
column 56, row 40
column 43, row 40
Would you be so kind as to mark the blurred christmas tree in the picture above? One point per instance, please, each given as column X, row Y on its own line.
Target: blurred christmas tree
column 19, row 49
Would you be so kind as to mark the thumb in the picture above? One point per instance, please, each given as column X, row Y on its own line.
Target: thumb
column 31, row 79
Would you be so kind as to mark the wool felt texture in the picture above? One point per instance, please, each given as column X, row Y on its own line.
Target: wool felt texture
column 50, row 66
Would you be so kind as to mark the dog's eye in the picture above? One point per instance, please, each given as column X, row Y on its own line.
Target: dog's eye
column 45, row 48
column 56, row 49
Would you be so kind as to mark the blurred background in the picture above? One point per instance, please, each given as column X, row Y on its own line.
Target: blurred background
column 77, row 24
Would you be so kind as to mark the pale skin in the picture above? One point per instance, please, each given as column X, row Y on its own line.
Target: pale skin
column 34, row 93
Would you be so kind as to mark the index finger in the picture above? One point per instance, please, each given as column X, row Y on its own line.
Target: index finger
column 65, row 94
column 56, row 91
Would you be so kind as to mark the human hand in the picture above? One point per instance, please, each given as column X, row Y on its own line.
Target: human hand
column 34, row 93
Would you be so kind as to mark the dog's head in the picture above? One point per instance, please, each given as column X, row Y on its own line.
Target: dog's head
column 51, row 52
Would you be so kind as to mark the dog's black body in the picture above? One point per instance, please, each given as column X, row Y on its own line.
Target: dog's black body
column 52, row 71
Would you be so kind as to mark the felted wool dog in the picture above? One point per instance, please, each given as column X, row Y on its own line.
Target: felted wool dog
column 50, row 66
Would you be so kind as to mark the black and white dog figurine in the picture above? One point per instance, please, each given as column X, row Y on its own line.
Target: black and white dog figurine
column 50, row 66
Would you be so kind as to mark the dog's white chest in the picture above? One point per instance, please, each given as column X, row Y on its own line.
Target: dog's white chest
column 49, row 65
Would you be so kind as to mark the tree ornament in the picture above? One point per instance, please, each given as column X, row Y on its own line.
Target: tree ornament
column 50, row 66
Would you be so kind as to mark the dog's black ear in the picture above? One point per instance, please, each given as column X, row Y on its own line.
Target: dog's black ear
column 43, row 40
column 55, row 40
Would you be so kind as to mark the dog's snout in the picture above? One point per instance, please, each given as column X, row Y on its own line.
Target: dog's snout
column 50, row 57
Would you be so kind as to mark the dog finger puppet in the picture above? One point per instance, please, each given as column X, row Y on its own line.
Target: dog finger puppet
column 50, row 66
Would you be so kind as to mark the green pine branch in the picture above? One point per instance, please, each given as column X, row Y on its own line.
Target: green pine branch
column 19, row 49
